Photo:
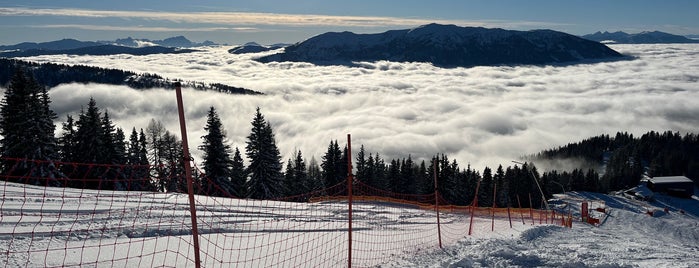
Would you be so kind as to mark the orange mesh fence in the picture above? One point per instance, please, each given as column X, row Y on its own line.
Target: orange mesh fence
column 56, row 214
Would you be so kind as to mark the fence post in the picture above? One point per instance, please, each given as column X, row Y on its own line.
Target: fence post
column 349, row 200
column 474, row 206
column 436, row 202
column 188, row 174
column 492, row 220
column 521, row 213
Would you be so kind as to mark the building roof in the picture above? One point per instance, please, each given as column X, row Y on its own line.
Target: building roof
column 670, row 179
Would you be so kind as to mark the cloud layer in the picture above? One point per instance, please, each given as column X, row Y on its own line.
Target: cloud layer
column 482, row 115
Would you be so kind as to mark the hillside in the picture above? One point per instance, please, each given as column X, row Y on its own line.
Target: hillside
column 447, row 46
column 51, row 75
column 654, row 37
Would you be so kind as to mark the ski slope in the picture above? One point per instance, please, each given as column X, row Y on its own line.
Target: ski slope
column 627, row 237
column 49, row 227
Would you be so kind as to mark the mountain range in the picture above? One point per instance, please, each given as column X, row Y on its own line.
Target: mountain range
column 447, row 46
column 128, row 45
column 654, row 37
column 253, row 47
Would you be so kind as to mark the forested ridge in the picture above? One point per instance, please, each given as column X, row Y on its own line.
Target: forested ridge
column 27, row 129
column 52, row 74
column 624, row 159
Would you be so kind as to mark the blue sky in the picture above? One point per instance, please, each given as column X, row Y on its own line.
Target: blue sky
column 275, row 21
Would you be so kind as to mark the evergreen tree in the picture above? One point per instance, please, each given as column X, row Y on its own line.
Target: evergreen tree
column 90, row 148
column 408, row 173
column 393, row 176
column 315, row 175
column 361, row 165
column 503, row 187
column 265, row 161
column 217, row 161
column 27, row 130
column 137, row 170
column 66, row 142
column 332, row 165
column 425, row 181
column 300, row 174
column 238, row 174
column 485, row 195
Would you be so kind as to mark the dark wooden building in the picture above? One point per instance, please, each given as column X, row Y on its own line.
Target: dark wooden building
column 680, row 186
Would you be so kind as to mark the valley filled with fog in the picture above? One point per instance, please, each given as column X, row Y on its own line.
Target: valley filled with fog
column 481, row 115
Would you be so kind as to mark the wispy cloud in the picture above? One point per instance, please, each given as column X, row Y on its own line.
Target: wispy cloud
column 250, row 18
column 145, row 28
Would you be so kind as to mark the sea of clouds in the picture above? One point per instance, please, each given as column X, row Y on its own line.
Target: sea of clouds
column 481, row 115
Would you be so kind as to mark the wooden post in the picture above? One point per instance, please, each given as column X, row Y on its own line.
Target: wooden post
column 188, row 174
column 436, row 202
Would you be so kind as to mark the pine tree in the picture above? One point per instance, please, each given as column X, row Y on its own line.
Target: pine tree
column 332, row 165
column 315, row 175
column 27, row 130
column 265, row 161
column 485, row 191
column 66, row 142
column 217, row 158
column 137, row 171
column 90, row 149
column 361, row 165
column 238, row 174
column 300, row 175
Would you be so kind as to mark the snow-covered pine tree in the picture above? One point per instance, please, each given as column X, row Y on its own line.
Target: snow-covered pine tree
column 217, row 158
column 265, row 167
column 27, row 129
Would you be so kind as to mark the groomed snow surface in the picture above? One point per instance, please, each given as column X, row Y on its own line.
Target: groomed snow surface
column 48, row 227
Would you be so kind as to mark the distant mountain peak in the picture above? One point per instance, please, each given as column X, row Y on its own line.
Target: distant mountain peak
column 446, row 45
column 645, row 37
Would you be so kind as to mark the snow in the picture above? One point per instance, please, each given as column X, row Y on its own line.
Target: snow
column 671, row 179
column 44, row 227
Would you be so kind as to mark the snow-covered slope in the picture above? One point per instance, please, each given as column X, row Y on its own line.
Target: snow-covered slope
column 57, row 227
column 626, row 237
column 446, row 45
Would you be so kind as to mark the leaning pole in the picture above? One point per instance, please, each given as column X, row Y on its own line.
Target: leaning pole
column 188, row 174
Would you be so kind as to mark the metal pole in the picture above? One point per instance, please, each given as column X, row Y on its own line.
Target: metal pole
column 188, row 174
column 562, row 188
column 436, row 201
column 543, row 198
column 349, row 200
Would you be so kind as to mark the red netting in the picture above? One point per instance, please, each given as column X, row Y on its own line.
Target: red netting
column 56, row 214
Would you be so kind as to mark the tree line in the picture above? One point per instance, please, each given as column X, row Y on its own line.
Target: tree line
column 52, row 74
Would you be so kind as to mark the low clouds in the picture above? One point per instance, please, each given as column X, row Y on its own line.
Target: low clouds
column 252, row 18
column 482, row 115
